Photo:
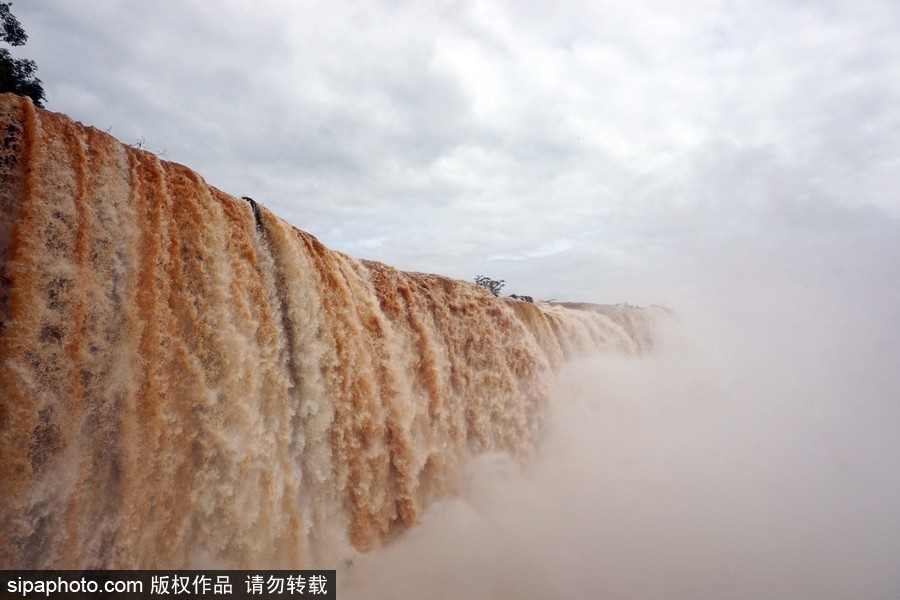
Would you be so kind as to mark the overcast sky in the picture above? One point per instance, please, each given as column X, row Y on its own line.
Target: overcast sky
column 574, row 149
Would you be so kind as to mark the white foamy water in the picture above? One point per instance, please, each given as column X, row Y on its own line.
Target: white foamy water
column 189, row 381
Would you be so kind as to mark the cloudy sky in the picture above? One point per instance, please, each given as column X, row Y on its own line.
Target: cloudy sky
column 574, row 149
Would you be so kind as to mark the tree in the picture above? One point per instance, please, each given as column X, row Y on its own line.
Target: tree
column 17, row 75
column 492, row 285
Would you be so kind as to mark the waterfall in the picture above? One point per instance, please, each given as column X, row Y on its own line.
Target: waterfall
column 186, row 380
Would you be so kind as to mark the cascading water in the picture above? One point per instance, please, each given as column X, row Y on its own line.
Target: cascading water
column 188, row 381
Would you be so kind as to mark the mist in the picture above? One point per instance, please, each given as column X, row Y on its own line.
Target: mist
column 751, row 455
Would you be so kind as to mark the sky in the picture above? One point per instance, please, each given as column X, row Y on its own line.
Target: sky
column 576, row 150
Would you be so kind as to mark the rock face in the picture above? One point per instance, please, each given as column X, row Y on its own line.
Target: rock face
column 187, row 380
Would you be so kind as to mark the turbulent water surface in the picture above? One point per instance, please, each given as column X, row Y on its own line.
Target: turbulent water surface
column 189, row 381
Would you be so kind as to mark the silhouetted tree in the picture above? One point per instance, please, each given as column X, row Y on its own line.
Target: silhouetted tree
column 492, row 285
column 17, row 74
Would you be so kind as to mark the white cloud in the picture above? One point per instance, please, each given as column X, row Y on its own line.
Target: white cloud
column 545, row 249
column 461, row 131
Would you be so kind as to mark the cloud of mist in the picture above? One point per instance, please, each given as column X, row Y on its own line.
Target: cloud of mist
column 752, row 455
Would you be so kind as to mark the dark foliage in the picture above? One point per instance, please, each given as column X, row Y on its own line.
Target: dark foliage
column 492, row 285
column 17, row 75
